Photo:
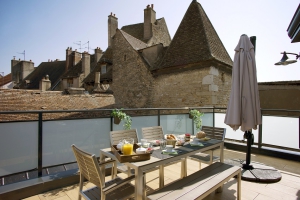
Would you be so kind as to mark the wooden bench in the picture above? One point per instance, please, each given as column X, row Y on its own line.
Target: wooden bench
column 200, row 184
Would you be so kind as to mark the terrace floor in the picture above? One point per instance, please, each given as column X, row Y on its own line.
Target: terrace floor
column 288, row 188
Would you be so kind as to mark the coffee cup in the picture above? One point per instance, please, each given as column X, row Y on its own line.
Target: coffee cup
column 169, row 148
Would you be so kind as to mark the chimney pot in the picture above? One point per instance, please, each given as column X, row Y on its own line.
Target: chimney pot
column 114, row 15
column 152, row 6
column 110, row 13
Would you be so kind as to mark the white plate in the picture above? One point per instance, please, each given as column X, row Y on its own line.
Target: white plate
column 173, row 151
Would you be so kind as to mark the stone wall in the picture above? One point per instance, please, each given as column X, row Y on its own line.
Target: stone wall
column 132, row 81
column 28, row 100
column 206, row 86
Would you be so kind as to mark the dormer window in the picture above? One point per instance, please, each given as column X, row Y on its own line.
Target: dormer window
column 103, row 69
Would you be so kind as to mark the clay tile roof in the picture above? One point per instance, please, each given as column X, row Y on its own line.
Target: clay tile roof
column 134, row 42
column 53, row 69
column 195, row 41
column 106, row 58
column 6, row 79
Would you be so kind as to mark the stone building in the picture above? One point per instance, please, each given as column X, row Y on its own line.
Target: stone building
column 151, row 70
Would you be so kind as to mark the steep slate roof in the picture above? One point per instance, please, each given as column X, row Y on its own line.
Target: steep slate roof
column 74, row 71
column 106, row 57
column 195, row 41
column 134, row 42
column 53, row 69
column 160, row 32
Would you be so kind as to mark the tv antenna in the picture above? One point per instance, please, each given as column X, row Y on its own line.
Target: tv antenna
column 78, row 43
column 23, row 54
column 88, row 42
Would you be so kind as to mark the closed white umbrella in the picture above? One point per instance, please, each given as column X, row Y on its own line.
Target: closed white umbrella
column 243, row 108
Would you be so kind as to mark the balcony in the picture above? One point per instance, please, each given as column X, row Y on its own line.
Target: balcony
column 38, row 159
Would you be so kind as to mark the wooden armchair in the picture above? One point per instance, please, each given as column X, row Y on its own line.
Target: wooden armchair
column 208, row 156
column 89, row 169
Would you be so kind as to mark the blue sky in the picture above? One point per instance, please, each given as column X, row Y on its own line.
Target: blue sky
column 44, row 29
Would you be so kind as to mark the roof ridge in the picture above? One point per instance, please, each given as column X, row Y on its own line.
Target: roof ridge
column 195, row 41
column 134, row 42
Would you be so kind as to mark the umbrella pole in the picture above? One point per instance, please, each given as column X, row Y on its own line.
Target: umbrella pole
column 250, row 138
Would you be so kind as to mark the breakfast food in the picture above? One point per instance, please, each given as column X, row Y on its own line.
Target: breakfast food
column 201, row 134
column 171, row 137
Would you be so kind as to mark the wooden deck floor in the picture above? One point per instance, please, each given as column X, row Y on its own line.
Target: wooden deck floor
column 288, row 188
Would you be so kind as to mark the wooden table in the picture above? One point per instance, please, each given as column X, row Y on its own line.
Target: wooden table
column 158, row 159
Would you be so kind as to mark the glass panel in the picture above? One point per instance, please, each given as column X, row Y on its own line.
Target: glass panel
column 176, row 124
column 88, row 134
column 281, row 131
column 18, row 147
column 207, row 120
column 230, row 133
column 138, row 123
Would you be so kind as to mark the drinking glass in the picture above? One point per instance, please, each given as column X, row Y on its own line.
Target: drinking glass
column 128, row 146
column 162, row 143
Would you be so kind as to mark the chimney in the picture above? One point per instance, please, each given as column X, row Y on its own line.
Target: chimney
column 112, row 27
column 98, row 54
column 76, row 57
column 45, row 84
column 68, row 58
column 149, row 19
column 86, row 63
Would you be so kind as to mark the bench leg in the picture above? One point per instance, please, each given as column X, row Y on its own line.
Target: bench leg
column 239, row 186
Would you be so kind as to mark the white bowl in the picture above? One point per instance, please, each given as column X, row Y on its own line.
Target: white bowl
column 140, row 150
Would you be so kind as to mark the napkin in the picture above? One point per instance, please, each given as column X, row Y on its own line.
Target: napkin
column 196, row 144
column 171, row 152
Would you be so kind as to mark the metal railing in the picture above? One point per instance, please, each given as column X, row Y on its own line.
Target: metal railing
column 144, row 112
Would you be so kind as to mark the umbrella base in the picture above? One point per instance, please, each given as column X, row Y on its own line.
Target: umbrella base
column 258, row 173
column 245, row 166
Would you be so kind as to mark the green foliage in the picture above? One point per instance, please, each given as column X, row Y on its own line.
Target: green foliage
column 122, row 116
column 197, row 117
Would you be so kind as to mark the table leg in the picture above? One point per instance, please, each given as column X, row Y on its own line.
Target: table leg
column 139, row 184
column 161, row 176
column 222, row 152
column 102, row 168
column 183, row 167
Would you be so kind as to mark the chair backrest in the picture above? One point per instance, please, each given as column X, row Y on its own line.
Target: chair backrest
column 88, row 166
column 116, row 136
column 214, row 132
column 153, row 133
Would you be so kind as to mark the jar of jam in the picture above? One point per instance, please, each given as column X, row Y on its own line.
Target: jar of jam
column 187, row 137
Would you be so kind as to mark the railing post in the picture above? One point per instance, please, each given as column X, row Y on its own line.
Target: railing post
column 213, row 116
column 111, row 123
column 260, row 134
column 40, row 145
column 158, row 117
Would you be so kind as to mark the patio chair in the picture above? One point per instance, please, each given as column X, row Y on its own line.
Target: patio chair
column 155, row 133
column 208, row 156
column 89, row 169
column 115, row 137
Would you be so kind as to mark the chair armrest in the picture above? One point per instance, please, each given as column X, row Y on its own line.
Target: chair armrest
column 107, row 162
column 118, row 184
